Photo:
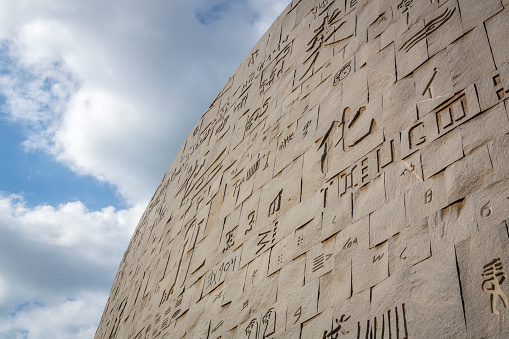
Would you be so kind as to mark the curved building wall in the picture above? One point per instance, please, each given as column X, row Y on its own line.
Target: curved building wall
column 350, row 180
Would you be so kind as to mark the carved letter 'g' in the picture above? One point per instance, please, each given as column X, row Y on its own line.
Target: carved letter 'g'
column 416, row 136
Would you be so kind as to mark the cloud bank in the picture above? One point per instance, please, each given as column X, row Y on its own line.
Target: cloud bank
column 111, row 90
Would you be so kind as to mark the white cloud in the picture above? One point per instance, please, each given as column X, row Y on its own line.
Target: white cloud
column 127, row 83
column 74, row 318
column 110, row 89
column 99, row 236
column 3, row 291
column 57, row 266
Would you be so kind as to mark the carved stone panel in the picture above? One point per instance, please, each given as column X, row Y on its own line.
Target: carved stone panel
column 350, row 180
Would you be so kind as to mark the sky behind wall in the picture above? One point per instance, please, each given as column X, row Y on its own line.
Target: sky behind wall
column 96, row 98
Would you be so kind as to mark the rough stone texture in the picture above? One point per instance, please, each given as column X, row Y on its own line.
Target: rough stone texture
column 350, row 180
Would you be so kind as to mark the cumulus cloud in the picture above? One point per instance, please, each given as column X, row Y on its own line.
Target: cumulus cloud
column 72, row 318
column 55, row 261
column 111, row 90
column 97, row 236
column 133, row 76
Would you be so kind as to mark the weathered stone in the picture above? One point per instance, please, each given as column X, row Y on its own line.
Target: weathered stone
column 234, row 285
column 350, row 180
column 302, row 305
column 369, row 198
column 263, row 295
column 433, row 281
column 367, row 50
column 319, row 260
column 476, row 132
column 452, row 111
column 378, row 26
column 291, row 277
column 499, row 155
column 314, row 328
column 411, row 50
column 370, row 268
column 493, row 88
column 474, row 14
column 468, row 174
column 482, row 265
column 403, row 175
column 432, row 83
column 302, row 213
column 425, row 198
column 247, row 219
column 452, row 224
column 347, row 317
column 470, row 58
column 387, row 221
column 336, row 215
column 496, row 27
column 281, row 254
column 314, row 170
column 353, row 240
column 440, row 154
column 268, row 322
column 393, row 31
column 336, row 286
column 399, row 112
column 491, row 204
column 443, row 27
column 281, row 195
column 381, row 70
column 305, row 238
column 408, row 248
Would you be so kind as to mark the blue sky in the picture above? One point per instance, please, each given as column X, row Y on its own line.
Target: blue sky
column 96, row 98
column 42, row 180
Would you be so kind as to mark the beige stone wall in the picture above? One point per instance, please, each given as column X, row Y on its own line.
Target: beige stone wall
column 350, row 180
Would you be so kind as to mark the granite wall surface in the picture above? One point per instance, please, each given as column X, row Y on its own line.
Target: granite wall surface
column 351, row 180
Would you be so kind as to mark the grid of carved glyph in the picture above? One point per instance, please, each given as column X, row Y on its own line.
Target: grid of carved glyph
column 350, row 180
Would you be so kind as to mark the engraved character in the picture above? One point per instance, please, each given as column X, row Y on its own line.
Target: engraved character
column 322, row 37
column 334, row 333
column 494, row 277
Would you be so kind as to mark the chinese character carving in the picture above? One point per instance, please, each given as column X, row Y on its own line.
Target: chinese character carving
column 494, row 277
column 333, row 334
column 323, row 38
column 356, row 127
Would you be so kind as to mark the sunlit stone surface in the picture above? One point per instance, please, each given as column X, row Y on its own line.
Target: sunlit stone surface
column 350, row 180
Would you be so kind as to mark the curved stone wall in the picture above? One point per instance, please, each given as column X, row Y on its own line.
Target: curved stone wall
column 350, row 180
